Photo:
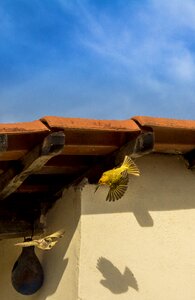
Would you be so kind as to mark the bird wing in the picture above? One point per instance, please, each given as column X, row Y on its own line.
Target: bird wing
column 27, row 244
column 45, row 243
column 118, row 189
column 107, row 269
column 56, row 235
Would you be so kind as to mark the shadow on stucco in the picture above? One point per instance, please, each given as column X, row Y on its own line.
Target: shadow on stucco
column 65, row 214
column 53, row 275
column 114, row 280
column 165, row 184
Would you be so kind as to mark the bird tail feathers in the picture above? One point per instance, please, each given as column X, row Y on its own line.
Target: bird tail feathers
column 131, row 166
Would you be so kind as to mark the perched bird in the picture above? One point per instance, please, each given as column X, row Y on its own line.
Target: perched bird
column 45, row 243
column 117, row 179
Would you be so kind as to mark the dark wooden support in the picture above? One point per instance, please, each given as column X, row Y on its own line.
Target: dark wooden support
column 3, row 146
column 22, row 214
column 190, row 159
column 31, row 163
column 139, row 146
column 19, row 228
column 3, row 143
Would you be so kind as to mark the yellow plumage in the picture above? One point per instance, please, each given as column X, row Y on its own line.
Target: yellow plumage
column 117, row 179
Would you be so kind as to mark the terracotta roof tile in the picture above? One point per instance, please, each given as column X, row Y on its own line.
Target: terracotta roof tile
column 25, row 127
column 165, row 122
column 35, row 165
column 90, row 124
column 171, row 135
column 21, row 138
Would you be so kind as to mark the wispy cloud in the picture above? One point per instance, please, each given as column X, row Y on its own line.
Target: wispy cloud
column 98, row 59
column 153, row 44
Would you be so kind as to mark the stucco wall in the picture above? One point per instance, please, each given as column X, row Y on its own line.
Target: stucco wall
column 140, row 247
column 60, row 264
column 149, row 233
column 8, row 255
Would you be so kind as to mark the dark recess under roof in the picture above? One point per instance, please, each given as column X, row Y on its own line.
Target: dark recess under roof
column 38, row 159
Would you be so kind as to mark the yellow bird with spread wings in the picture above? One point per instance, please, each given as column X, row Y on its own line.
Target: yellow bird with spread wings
column 117, row 179
column 45, row 243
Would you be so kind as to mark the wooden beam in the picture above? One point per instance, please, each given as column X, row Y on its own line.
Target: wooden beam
column 11, row 155
column 137, row 147
column 36, row 188
column 88, row 149
column 190, row 159
column 141, row 145
column 3, row 143
column 32, row 162
column 19, row 228
column 12, row 228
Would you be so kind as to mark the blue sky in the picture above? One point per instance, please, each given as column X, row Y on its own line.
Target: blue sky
column 104, row 59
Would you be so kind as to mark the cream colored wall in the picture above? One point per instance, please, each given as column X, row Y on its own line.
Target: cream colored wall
column 60, row 264
column 150, row 232
column 8, row 255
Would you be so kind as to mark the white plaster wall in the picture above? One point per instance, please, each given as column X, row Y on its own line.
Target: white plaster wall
column 60, row 264
column 8, row 255
column 150, row 232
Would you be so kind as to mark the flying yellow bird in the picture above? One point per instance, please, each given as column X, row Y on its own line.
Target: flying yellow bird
column 117, row 179
column 45, row 243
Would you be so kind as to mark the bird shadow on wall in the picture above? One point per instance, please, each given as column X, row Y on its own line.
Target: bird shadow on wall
column 114, row 280
column 165, row 184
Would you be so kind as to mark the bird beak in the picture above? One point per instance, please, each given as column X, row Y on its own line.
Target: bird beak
column 97, row 187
